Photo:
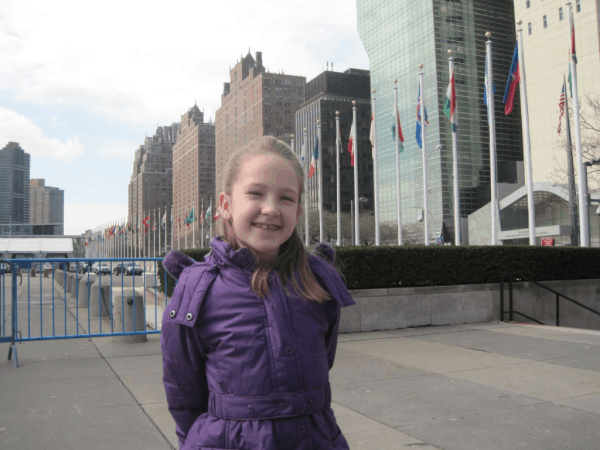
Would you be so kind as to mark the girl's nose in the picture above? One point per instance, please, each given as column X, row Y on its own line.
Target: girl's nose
column 269, row 206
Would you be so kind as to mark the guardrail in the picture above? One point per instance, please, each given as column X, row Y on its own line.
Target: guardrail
column 46, row 299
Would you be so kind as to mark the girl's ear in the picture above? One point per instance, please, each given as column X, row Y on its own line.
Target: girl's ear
column 224, row 205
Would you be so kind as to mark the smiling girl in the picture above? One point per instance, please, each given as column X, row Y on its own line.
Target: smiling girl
column 250, row 333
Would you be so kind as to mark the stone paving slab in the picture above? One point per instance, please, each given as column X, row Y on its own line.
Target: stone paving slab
column 535, row 427
column 425, row 398
column 368, row 368
column 540, row 380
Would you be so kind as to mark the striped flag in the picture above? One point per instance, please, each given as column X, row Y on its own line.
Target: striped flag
column 315, row 157
column 573, row 53
column 352, row 144
column 425, row 120
column 561, row 105
column 511, row 85
column 397, row 129
column 450, row 103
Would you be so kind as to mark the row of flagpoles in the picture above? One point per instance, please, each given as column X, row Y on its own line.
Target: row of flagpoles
column 138, row 237
column 516, row 78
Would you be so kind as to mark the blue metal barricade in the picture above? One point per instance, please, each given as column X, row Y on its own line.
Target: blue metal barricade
column 46, row 299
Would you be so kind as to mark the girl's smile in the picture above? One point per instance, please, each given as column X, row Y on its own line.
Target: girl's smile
column 263, row 207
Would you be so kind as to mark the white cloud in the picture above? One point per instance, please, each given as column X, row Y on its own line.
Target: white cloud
column 143, row 65
column 18, row 128
column 80, row 217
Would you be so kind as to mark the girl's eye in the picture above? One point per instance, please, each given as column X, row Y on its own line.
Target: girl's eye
column 288, row 199
column 254, row 193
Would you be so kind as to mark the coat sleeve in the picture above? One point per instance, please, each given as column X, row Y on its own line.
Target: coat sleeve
column 333, row 311
column 184, row 376
column 184, row 354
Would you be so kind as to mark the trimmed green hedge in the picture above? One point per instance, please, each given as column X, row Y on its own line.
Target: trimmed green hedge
column 387, row 267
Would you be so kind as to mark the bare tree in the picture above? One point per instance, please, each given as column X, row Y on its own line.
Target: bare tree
column 589, row 119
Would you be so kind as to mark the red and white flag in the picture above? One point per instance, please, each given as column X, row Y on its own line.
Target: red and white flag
column 352, row 144
column 561, row 105
column 315, row 157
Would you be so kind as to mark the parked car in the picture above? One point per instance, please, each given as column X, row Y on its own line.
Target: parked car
column 122, row 268
column 135, row 268
column 85, row 266
column 47, row 266
column 102, row 268
column 5, row 268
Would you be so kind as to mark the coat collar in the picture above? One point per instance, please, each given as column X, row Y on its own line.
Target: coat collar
column 223, row 255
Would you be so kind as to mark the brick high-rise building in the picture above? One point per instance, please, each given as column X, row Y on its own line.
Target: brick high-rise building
column 254, row 103
column 193, row 171
column 46, row 208
column 14, row 190
column 151, row 185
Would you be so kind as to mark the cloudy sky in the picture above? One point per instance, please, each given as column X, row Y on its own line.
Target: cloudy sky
column 82, row 83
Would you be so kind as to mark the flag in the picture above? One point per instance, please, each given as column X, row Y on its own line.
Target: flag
column 190, row 218
column 163, row 221
column 352, row 144
column 154, row 226
column 338, row 138
column 217, row 214
column 570, row 83
column 372, row 132
column 486, row 82
column 399, row 128
column 201, row 219
column 303, row 151
column 561, row 105
column 129, row 225
column 418, row 131
column 315, row 157
column 450, row 103
column 145, row 221
column 208, row 212
column 511, row 85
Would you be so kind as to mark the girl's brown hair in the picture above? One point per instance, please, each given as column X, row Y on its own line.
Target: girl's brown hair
column 292, row 254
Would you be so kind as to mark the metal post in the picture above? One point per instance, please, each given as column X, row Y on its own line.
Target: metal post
column 338, row 147
column 320, row 179
column 491, row 113
column 454, row 160
column 424, row 142
column 398, row 186
column 375, row 171
column 356, row 201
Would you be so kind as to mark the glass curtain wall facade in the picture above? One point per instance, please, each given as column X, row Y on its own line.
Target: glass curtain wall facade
column 400, row 35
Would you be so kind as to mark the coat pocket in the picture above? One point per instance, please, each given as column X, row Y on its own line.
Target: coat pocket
column 339, row 441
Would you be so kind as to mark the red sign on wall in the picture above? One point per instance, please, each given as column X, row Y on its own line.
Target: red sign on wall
column 548, row 242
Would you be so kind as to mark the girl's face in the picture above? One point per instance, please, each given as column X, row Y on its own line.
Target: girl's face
column 264, row 204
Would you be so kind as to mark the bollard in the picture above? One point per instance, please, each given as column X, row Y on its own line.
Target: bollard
column 100, row 301
column 69, row 282
column 75, row 285
column 57, row 276
column 32, row 272
column 46, row 273
column 123, row 318
column 81, row 301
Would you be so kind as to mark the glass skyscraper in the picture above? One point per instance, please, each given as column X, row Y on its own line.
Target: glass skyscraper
column 398, row 36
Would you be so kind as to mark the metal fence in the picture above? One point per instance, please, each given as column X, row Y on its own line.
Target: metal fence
column 45, row 299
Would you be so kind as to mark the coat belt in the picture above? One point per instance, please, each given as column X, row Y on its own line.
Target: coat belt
column 272, row 406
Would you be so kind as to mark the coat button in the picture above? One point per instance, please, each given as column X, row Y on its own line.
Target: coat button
column 282, row 405
column 189, row 316
column 289, row 351
column 172, row 313
column 250, row 408
column 301, row 429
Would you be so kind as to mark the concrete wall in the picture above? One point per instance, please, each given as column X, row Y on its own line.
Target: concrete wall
column 388, row 309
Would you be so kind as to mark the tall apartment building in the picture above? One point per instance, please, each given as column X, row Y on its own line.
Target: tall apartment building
column 14, row 190
column 193, row 170
column 151, row 185
column 327, row 93
column 545, row 50
column 46, row 208
column 400, row 35
column 254, row 103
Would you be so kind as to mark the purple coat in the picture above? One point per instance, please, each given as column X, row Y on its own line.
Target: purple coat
column 246, row 373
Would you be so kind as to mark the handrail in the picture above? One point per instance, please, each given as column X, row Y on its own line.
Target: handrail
column 512, row 311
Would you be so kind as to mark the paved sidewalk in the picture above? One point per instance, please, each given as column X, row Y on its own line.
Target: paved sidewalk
column 482, row 386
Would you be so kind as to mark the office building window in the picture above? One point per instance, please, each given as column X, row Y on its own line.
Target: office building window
column 560, row 13
column 529, row 27
column 527, row 3
column 578, row 5
column 545, row 19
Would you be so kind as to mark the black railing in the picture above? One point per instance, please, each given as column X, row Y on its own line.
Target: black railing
column 511, row 310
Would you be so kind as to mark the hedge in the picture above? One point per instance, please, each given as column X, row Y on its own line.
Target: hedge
column 410, row 266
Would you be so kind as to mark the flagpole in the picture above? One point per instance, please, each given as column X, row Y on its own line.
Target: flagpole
column 375, row 171
column 338, row 147
column 193, row 224
column 320, row 174
column 154, row 233
column 525, row 119
column 178, row 227
column 457, row 233
column 571, row 173
column 398, row 186
column 211, row 218
column 186, row 232
column 491, row 112
column 581, row 171
column 202, row 223
column 159, row 229
column 424, row 142
column 355, row 150
column 306, row 203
